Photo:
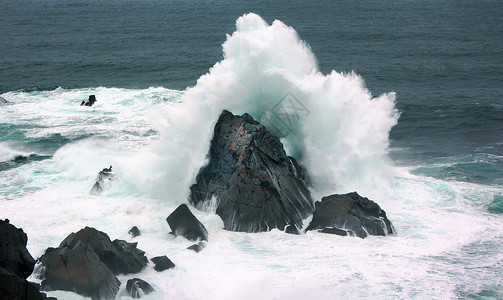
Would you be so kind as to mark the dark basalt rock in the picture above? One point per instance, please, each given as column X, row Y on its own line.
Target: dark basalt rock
column 90, row 101
column 350, row 214
column 78, row 269
column 162, row 263
column 119, row 256
column 184, row 223
column 14, row 287
column 136, row 287
column 257, row 186
column 197, row 247
column 292, row 229
column 103, row 181
column 13, row 253
column 134, row 231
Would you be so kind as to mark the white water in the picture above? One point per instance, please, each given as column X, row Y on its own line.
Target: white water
column 156, row 139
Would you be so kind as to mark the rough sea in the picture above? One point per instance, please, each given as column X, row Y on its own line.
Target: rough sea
column 402, row 101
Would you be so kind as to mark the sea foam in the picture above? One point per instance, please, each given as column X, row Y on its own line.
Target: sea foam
column 331, row 123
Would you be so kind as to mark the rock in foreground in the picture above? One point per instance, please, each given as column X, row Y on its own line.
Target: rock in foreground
column 257, row 187
column 86, row 262
column 350, row 214
column 79, row 270
column 13, row 253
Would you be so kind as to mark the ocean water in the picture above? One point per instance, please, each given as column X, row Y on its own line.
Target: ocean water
column 401, row 101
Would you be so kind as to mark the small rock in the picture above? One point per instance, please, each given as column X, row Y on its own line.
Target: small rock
column 134, row 231
column 197, row 247
column 162, row 263
column 136, row 286
column 184, row 223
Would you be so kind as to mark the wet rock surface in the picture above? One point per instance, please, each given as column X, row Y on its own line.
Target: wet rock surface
column 350, row 214
column 254, row 185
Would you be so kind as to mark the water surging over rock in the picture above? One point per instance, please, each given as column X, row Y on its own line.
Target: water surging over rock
column 250, row 180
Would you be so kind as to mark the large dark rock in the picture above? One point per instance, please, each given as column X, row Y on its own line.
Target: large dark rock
column 86, row 262
column 13, row 253
column 350, row 214
column 119, row 256
column 78, row 269
column 184, row 223
column 14, row 287
column 256, row 185
column 136, row 287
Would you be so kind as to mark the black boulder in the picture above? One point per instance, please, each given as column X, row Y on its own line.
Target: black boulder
column 350, row 214
column 256, row 185
column 162, row 263
column 184, row 223
column 136, row 286
column 13, row 253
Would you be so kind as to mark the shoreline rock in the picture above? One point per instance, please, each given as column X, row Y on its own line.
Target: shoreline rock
column 350, row 214
column 257, row 187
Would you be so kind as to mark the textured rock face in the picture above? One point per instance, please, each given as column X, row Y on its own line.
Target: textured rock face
column 184, row 223
column 257, row 187
column 15, row 287
column 350, row 214
column 136, row 287
column 162, row 263
column 13, row 253
column 119, row 256
column 79, row 270
column 86, row 262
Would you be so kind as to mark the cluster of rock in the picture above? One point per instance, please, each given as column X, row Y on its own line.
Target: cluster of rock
column 86, row 262
column 255, row 187
column 250, row 182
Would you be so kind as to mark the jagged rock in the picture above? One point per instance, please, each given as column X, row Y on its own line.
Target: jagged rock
column 134, row 231
column 119, row 255
column 184, row 223
column 78, row 269
column 14, row 287
column 197, row 247
column 136, row 287
column 350, row 214
column 103, row 181
column 13, row 253
column 90, row 101
column 256, row 185
column 162, row 263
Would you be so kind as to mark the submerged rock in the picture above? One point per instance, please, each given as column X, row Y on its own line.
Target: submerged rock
column 136, row 287
column 90, row 101
column 184, row 223
column 13, row 253
column 197, row 247
column 162, row 263
column 256, row 186
column 350, row 214
column 103, row 181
